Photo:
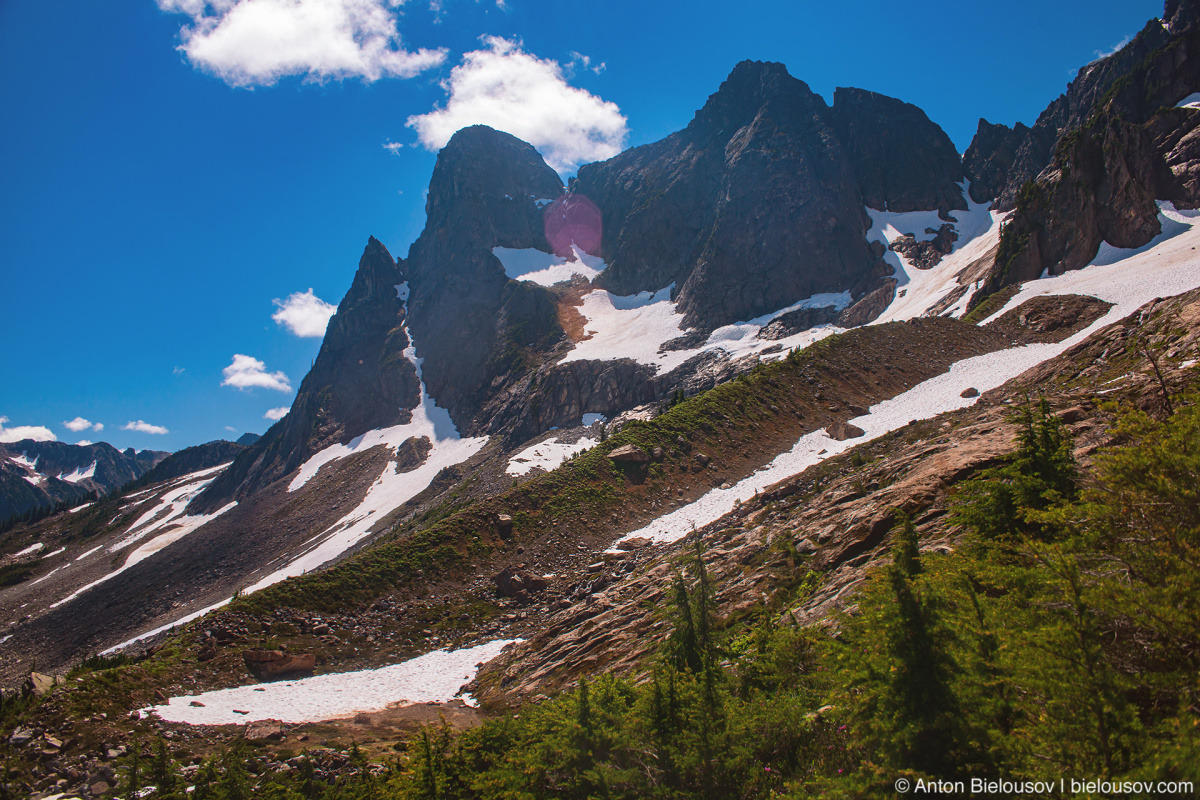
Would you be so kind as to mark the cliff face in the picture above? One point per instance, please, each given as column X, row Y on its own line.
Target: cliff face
column 901, row 160
column 1132, row 148
column 751, row 207
column 473, row 326
column 360, row 381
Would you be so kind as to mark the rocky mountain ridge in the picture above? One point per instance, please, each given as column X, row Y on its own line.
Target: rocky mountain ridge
column 724, row 253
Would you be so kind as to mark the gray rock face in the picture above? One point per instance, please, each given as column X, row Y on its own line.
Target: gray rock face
column 988, row 160
column 1071, row 109
column 753, row 206
column 360, row 381
column 474, row 327
column 901, row 160
column 1104, row 177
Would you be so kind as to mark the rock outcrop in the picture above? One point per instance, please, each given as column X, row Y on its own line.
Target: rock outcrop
column 990, row 156
column 476, row 329
column 751, row 207
column 902, row 161
column 361, row 380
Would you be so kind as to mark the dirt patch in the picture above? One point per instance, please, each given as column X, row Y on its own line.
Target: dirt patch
column 1051, row 318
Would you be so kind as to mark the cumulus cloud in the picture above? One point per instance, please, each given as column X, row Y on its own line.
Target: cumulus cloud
column 246, row 372
column 276, row 414
column 304, row 314
column 512, row 91
column 144, row 427
column 83, row 442
column 37, row 433
column 257, row 42
column 80, row 424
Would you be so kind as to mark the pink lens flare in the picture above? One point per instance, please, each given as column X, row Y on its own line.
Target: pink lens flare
column 573, row 220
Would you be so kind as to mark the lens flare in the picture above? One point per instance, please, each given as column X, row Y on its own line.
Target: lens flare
column 573, row 219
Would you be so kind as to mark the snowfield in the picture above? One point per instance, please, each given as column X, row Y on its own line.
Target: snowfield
column 547, row 269
column 919, row 289
column 635, row 326
column 79, row 474
column 434, row 677
column 1169, row 265
column 547, row 455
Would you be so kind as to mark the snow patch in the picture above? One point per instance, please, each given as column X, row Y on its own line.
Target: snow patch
column 546, row 269
column 79, row 508
column 547, row 455
column 24, row 461
column 180, row 527
column 79, row 474
column 635, row 326
column 978, row 231
column 435, row 677
column 1167, row 267
column 33, row 548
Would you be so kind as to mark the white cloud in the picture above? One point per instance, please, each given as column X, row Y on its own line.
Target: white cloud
column 83, row 442
column 529, row 97
column 1115, row 49
column 178, row 371
column 80, row 424
column 144, row 427
column 246, row 372
column 231, row 429
column 257, row 42
column 586, row 62
column 304, row 314
column 276, row 414
column 36, row 432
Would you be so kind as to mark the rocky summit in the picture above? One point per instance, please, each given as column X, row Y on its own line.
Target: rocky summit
column 788, row 455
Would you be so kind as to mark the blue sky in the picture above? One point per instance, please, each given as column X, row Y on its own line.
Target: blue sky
column 170, row 169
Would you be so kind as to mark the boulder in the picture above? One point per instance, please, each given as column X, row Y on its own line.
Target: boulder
column 274, row 663
column 970, row 392
column 841, row 431
column 636, row 543
column 504, row 524
column 41, row 684
column 263, row 730
column 630, row 453
column 517, row 582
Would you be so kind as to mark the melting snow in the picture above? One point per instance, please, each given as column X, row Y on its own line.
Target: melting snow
column 546, row 455
column 33, row 548
column 24, row 461
column 56, row 552
column 392, row 488
column 978, row 231
column 174, row 623
column 78, row 508
column 79, row 474
column 1167, row 267
column 546, row 269
column 433, row 677
column 89, row 552
column 634, row 326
